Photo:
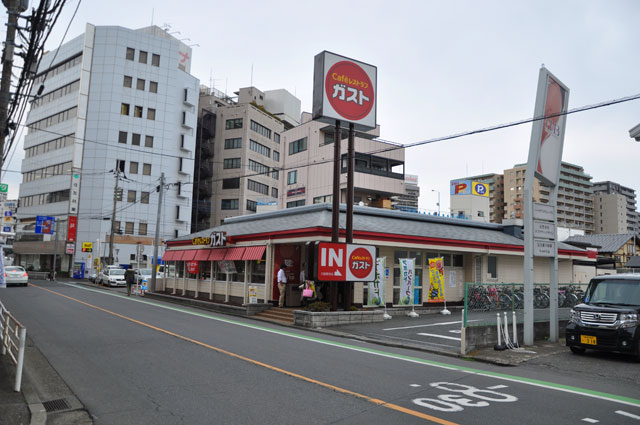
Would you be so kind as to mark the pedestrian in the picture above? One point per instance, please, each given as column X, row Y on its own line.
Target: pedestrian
column 129, row 277
column 282, row 284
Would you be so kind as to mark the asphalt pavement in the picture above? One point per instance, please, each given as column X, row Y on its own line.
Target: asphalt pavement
column 100, row 353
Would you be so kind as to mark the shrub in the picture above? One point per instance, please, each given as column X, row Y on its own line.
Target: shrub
column 318, row 306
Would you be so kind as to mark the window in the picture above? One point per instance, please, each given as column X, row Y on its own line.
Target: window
column 229, row 204
column 231, row 183
column 142, row 57
column 231, row 163
column 135, row 139
column 293, row 204
column 131, row 196
column 252, row 205
column 130, row 53
column 133, row 167
column 274, row 192
column 276, row 137
column 137, row 111
column 492, row 266
column 116, row 226
column 140, row 84
column 260, row 148
column 298, row 146
column 144, row 197
column 124, row 109
column 155, row 60
column 148, row 141
column 142, row 229
column 260, row 129
column 257, row 187
column 322, row 199
column 327, row 139
column 128, row 228
column 120, row 165
column 151, row 114
column 235, row 143
column 233, row 123
column 276, row 156
column 146, row 169
column 292, row 177
column 153, row 87
column 122, row 137
column 127, row 81
column 275, row 174
column 458, row 260
column 257, row 167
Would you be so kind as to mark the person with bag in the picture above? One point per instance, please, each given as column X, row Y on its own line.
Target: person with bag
column 308, row 292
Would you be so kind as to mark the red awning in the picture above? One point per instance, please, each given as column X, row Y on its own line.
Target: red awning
column 217, row 254
column 168, row 256
column 254, row 252
column 188, row 254
column 202, row 255
column 234, row 253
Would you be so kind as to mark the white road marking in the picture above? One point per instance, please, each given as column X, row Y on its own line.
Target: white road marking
column 497, row 387
column 591, row 421
column 440, row 336
column 415, row 360
column 424, row 326
column 629, row 415
column 454, row 331
column 415, row 385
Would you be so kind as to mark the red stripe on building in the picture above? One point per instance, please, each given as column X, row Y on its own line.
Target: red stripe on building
column 254, row 252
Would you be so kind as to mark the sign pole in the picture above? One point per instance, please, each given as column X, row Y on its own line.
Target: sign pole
column 335, row 209
column 553, row 273
column 55, row 250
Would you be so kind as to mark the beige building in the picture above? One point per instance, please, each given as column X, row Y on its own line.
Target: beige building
column 496, row 195
column 308, row 167
column 613, row 210
column 611, row 213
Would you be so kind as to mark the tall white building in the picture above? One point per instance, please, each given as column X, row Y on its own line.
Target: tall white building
column 117, row 105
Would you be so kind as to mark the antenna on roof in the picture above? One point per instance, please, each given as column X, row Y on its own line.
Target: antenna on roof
column 152, row 10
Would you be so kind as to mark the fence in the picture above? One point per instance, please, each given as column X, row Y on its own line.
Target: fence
column 483, row 300
column 14, row 337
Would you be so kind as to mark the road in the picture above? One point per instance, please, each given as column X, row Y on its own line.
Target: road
column 136, row 361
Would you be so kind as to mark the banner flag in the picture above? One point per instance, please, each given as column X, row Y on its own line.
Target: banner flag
column 436, row 280
column 376, row 288
column 406, row 284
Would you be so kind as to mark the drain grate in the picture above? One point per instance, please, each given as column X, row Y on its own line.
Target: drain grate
column 55, row 405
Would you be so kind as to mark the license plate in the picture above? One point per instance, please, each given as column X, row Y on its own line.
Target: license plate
column 588, row 339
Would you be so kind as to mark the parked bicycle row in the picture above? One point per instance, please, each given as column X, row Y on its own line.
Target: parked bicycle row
column 483, row 297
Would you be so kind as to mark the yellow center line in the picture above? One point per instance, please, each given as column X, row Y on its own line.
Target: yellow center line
column 375, row 401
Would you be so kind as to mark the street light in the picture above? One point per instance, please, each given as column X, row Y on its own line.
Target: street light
column 434, row 190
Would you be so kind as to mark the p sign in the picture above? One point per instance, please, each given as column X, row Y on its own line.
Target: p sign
column 345, row 262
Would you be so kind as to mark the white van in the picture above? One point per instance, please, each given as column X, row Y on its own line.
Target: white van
column 171, row 271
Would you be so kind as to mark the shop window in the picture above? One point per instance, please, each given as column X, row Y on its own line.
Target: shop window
column 492, row 267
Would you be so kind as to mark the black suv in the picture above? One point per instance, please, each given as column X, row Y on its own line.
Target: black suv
column 608, row 317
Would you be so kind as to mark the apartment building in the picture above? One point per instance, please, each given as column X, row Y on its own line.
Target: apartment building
column 408, row 201
column 308, row 167
column 117, row 109
column 615, row 208
column 248, row 151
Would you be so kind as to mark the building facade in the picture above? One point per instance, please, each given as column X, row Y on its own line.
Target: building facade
column 615, row 208
column 496, row 195
column 117, row 109
column 409, row 200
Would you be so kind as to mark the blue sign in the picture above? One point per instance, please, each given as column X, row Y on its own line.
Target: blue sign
column 8, row 213
column 45, row 224
column 78, row 270
column 6, row 229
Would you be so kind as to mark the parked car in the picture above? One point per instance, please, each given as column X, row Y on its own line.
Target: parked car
column 93, row 277
column 112, row 277
column 142, row 274
column 607, row 320
column 16, row 275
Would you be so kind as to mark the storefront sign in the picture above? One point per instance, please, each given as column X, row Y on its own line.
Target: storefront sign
column 72, row 228
column 253, row 295
column 406, row 280
column 468, row 187
column 436, row 280
column 376, row 288
column 215, row 239
column 70, row 248
column 296, row 192
column 346, row 262
column 227, row 267
column 87, row 246
column 201, row 241
column 192, row 267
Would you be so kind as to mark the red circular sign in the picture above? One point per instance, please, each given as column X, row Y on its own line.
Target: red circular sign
column 360, row 263
column 349, row 90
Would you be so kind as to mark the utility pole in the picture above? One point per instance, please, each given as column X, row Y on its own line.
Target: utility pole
column 55, row 249
column 113, row 214
column 154, row 271
column 14, row 8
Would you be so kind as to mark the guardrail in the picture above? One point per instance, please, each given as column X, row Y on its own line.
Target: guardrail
column 14, row 337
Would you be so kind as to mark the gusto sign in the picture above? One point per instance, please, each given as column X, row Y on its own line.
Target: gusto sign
column 346, row 262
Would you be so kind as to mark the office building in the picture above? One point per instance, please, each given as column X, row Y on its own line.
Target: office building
column 496, row 197
column 615, row 208
column 117, row 108
column 408, row 201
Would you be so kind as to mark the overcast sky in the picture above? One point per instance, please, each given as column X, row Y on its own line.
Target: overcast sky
column 443, row 68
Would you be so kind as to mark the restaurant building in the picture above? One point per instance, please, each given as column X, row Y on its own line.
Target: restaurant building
column 221, row 264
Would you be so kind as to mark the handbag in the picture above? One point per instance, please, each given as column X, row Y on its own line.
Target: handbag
column 307, row 292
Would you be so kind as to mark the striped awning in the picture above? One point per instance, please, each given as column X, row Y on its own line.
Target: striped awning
column 201, row 255
column 254, row 252
column 169, row 255
column 188, row 255
column 235, row 253
column 217, row 254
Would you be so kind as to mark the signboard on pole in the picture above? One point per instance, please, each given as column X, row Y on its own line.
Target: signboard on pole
column 344, row 89
column 436, row 280
column 70, row 248
column 375, row 291
column 339, row 262
column 544, row 229
column 406, row 280
column 45, row 224
column 544, row 212
column 72, row 228
column 544, row 248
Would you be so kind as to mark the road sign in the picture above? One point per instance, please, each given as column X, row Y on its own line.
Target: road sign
column 70, row 248
column 45, row 224
column 543, row 211
column 87, row 246
column 4, row 187
column 543, row 248
column 345, row 262
column 544, row 229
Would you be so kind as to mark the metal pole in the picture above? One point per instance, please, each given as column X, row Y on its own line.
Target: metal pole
column 113, row 215
column 23, row 340
column 335, row 217
column 152, row 287
column 553, row 272
column 55, row 249
column 350, row 169
column 7, row 66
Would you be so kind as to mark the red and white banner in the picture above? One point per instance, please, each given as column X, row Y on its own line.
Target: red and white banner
column 339, row 262
column 72, row 228
column 192, row 267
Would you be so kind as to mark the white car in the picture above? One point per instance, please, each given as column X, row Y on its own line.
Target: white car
column 112, row 277
column 143, row 274
column 16, row 275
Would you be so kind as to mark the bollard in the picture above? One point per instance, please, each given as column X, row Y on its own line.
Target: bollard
column 499, row 346
column 507, row 342
column 515, row 332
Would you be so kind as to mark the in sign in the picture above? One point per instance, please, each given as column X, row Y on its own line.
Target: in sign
column 346, row 262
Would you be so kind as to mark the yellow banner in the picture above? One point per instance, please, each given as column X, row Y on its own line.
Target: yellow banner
column 436, row 280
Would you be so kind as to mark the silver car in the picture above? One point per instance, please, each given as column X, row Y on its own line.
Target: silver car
column 16, row 275
column 112, row 277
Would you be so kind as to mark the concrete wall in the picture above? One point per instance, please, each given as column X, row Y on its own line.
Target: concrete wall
column 476, row 337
